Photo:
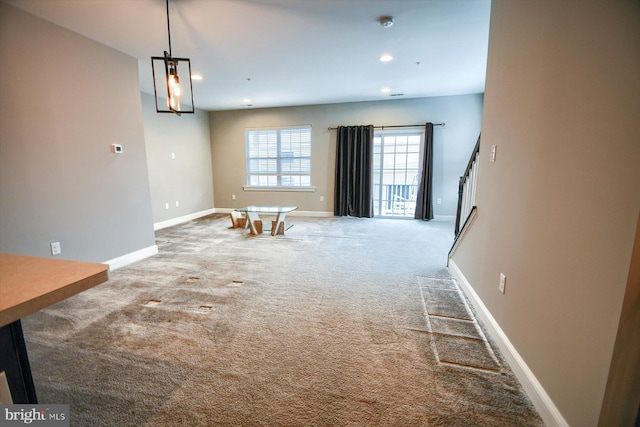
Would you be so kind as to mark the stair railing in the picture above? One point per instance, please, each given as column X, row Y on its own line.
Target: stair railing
column 466, row 197
column 467, row 189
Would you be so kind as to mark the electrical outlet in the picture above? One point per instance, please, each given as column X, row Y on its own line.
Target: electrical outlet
column 166, row 205
column 438, row 201
column 177, row 204
column 503, row 282
column 233, row 197
column 322, row 198
column 55, row 248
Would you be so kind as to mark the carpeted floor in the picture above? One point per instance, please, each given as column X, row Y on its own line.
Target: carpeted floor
column 340, row 322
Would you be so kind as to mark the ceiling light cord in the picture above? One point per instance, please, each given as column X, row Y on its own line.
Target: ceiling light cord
column 168, row 28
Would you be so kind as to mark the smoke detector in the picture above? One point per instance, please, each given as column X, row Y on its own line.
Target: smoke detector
column 386, row 21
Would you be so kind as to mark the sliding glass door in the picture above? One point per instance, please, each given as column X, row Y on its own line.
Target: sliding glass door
column 396, row 158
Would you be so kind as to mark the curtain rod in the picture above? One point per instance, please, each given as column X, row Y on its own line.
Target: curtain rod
column 398, row 126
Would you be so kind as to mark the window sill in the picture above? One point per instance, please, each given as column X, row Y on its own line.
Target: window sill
column 284, row 189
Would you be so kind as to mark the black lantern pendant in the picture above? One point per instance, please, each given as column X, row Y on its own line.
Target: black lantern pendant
column 170, row 88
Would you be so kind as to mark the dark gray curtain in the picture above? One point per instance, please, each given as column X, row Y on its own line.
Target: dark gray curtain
column 354, row 172
column 424, row 205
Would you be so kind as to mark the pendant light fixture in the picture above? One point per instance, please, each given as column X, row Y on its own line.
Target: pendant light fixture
column 172, row 81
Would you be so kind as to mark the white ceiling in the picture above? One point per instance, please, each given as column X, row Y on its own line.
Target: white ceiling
column 295, row 52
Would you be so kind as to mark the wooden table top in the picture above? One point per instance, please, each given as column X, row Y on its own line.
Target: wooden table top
column 29, row 284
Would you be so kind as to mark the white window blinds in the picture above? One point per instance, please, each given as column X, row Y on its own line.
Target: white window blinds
column 279, row 157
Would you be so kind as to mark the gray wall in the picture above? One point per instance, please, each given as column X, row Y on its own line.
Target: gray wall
column 186, row 176
column 65, row 100
column 557, row 211
column 452, row 145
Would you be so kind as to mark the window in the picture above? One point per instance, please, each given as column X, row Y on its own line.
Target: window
column 279, row 157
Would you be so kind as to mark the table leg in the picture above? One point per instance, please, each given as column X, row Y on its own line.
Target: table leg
column 279, row 220
column 252, row 217
column 14, row 361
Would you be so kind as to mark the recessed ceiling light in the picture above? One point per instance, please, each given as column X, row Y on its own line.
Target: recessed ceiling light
column 196, row 77
column 385, row 90
column 246, row 101
column 386, row 58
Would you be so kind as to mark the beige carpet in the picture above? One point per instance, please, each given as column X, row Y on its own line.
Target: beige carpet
column 340, row 322
column 457, row 337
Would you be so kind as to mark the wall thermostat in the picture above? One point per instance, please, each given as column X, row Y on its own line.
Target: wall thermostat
column 116, row 148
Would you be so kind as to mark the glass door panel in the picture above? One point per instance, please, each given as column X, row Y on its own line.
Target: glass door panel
column 395, row 174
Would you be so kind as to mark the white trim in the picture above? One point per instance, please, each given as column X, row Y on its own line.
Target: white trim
column 541, row 400
column 320, row 214
column 449, row 217
column 317, row 214
column 278, row 127
column 131, row 257
column 463, row 231
column 277, row 189
column 182, row 219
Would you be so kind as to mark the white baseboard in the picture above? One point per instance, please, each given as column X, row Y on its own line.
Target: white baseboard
column 447, row 217
column 317, row 214
column 325, row 214
column 132, row 257
column 181, row 219
column 541, row 400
